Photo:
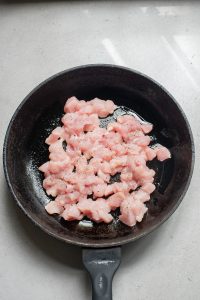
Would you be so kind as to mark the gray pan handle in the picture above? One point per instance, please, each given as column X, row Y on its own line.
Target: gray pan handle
column 101, row 265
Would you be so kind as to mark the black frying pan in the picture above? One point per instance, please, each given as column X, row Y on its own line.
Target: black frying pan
column 25, row 151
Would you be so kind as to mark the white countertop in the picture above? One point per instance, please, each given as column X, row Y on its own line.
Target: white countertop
column 161, row 39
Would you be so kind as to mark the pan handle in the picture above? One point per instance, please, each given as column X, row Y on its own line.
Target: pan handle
column 101, row 265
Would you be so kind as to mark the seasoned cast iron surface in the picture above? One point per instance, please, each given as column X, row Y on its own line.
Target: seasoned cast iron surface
column 25, row 149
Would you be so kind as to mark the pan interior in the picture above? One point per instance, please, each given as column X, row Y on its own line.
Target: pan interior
column 41, row 113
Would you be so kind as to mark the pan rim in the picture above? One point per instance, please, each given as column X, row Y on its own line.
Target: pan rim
column 109, row 242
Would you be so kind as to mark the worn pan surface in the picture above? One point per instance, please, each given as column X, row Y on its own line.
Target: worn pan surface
column 40, row 112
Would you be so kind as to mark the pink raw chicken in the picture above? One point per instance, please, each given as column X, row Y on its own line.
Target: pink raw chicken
column 54, row 208
column 84, row 157
column 101, row 107
column 116, row 199
column 132, row 211
column 71, row 213
column 162, row 153
column 96, row 210
column 57, row 133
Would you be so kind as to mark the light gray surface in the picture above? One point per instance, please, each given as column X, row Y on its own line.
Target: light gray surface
column 161, row 39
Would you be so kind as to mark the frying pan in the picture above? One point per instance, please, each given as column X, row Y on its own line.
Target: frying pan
column 25, row 150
